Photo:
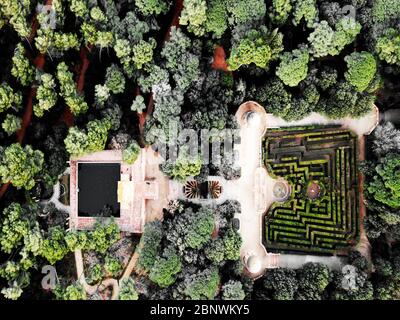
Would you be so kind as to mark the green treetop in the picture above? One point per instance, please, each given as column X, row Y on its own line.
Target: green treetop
column 10, row 270
column 258, row 47
column 293, row 67
column 280, row 11
column 165, row 268
column 199, row 231
column 138, row 104
column 217, row 18
column 79, row 8
column 194, row 16
column 149, row 7
column 47, row 39
column 232, row 243
column 20, row 165
column 9, row 99
column 242, row 11
column 282, row 283
column 202, row 285
column 14, row 227
column 97, row 14
column 11, row 124
column 127, row 290
column 46, row 95
column 72, row 292
column 313, row 278
column 103, row 236
column 326, row 41
column 112, row 266
column 149, row 245
column 115, row 80
column 74, row 101
column 94, row 138
column 233, row 290
column 361, row 69
column 305, row 9
column 275, row 97
column 13, row 292
column 143, row 53
column 15, row 13
column 385, row 187
column 383, row 10
column 388, row 46
column 182, row 168
column 215, row 251
column 131, row 153
column 54, row 247
column 22, row 69
column 95, row 274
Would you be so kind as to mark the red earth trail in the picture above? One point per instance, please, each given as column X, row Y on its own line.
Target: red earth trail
column 219, row 62
column 67, row 117
column 39, row 63
column 174, row 23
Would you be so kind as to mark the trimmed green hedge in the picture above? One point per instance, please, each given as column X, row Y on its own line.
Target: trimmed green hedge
column 326, row 155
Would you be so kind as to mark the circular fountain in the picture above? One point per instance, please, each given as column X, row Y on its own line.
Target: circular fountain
column 253, row 264
column 281, row 191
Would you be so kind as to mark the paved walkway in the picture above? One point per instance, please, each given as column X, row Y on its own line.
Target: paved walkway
column 295, row 261
column 90, row 290
column 361, row 126
column 154, row 208
column 250, row 158
column 55, row 198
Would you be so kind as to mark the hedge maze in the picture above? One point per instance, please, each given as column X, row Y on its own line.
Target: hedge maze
column 326, row 160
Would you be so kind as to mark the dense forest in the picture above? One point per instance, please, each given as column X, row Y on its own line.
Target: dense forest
column 79, row 76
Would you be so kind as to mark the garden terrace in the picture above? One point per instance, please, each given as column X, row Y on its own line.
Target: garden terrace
column 320, row 165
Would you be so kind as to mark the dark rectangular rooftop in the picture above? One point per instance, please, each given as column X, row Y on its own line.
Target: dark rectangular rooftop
column 98, row 188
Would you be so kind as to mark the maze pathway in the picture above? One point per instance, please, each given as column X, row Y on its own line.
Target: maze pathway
column 325, row 156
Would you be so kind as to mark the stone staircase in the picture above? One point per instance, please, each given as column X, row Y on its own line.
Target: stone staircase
column 272, row 260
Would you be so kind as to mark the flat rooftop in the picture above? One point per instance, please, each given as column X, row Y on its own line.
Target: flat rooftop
column 98, row 188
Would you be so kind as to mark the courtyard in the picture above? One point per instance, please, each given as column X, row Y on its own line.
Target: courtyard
column 318, row 218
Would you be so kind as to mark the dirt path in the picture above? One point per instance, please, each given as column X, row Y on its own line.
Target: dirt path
column 364, row 247
column 154, row 208
column 219, row 61
column 174, row 23
column 175, row 20
column 83, row 54
column 109, row 282
column 3, row 189
column 39, row 63
column 67, row 117
column 131, row 266
column 106, row 283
